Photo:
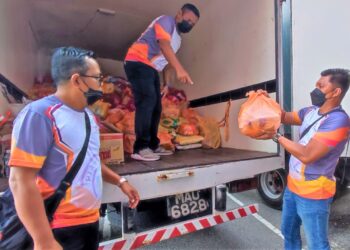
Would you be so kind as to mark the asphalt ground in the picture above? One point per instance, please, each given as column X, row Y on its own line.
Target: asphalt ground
column 261, row 231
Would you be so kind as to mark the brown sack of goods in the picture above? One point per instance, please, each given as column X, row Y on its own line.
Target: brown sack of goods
column 259, row 114
column 210, row 130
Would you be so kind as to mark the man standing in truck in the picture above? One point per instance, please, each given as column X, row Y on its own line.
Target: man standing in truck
column 324, row 129
column 149, row 55
column 48, row 136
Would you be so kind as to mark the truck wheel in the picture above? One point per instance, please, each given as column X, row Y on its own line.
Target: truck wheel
column 271, row 186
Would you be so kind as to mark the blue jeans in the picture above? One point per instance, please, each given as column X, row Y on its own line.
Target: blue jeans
column 313, row 214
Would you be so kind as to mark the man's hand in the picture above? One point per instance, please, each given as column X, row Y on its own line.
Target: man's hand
column 183, row 76
column 267, row 135
column 170, row 56
column 109, row 176
column 52, row 245
column 165, row 91
column 263, row 92
column 132, row 194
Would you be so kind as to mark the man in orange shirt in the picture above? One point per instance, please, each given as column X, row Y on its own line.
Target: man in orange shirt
column 324, row 131
column 155, row 48
column 48, row 136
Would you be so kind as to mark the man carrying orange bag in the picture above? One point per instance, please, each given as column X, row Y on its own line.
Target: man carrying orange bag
column 324, row 129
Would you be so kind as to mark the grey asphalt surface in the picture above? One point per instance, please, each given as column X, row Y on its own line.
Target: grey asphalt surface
column 250, row 233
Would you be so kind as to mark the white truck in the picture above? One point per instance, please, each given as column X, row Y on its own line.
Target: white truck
column 235, row 47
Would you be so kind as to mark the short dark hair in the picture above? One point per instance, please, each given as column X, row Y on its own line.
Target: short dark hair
column 67, row 61
column 341, row 77
column 191, row 7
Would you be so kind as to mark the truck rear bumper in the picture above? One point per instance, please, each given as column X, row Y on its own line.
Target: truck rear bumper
column 133, row 241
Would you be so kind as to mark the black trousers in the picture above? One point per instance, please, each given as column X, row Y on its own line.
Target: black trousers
column 81, row 237
column 146, row 90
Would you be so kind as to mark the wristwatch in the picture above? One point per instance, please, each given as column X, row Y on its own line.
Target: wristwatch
column 121, row 181
column 276, row 137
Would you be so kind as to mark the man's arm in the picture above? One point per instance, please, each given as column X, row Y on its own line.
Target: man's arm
column 290, row 118
column 166, row 80
column 167, row 74
column 170, row 56
column 30, row 207
column 109, row 176
column 311, row 152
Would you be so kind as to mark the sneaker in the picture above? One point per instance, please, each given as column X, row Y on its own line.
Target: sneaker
column 162, row 151
column 145, row 155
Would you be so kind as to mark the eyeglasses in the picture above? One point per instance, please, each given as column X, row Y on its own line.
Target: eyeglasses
column 98, row 78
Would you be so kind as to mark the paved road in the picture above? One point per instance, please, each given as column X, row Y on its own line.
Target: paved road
column 259, row 232
column 251, row 233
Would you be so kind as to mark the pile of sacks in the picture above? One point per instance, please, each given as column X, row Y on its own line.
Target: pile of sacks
column 116, row 111
column 180, row 127
column 183, row 128
column 6, row 127
column 42, row 87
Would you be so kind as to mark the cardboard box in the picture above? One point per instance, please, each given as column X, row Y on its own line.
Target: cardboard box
column 111, row 148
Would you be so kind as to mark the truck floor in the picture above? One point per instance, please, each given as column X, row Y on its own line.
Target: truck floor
column 181, row 159
column 188, row 158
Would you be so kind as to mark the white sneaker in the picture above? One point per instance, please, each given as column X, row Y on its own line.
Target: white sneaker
column 162, row 151
column 145, row 155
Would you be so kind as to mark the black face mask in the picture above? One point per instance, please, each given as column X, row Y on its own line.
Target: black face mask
column 92, row 95
column 318, row 98
column 184, row 26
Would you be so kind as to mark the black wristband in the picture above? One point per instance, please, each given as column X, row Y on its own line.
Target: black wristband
column 276, row 137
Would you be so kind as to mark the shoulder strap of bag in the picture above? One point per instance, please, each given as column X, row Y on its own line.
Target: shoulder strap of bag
column 309, row 127
column 53, row 201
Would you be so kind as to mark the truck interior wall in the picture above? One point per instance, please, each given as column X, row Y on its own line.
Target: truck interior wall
column 233, row 45
column 112, row 67
column 236, row 139
column 108, row 66
column 17, row 46
column 319, row 43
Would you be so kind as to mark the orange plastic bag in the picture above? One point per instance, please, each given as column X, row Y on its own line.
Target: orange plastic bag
column 258, row 114
column 115, row 115
column 187, row 129
column 190, row 115
column 166, row 140
column 129, row 140
column 100, row 108
column 172, row 109
column 127, row 124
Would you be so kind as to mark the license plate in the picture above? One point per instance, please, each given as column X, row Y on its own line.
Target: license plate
column 189, row 204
